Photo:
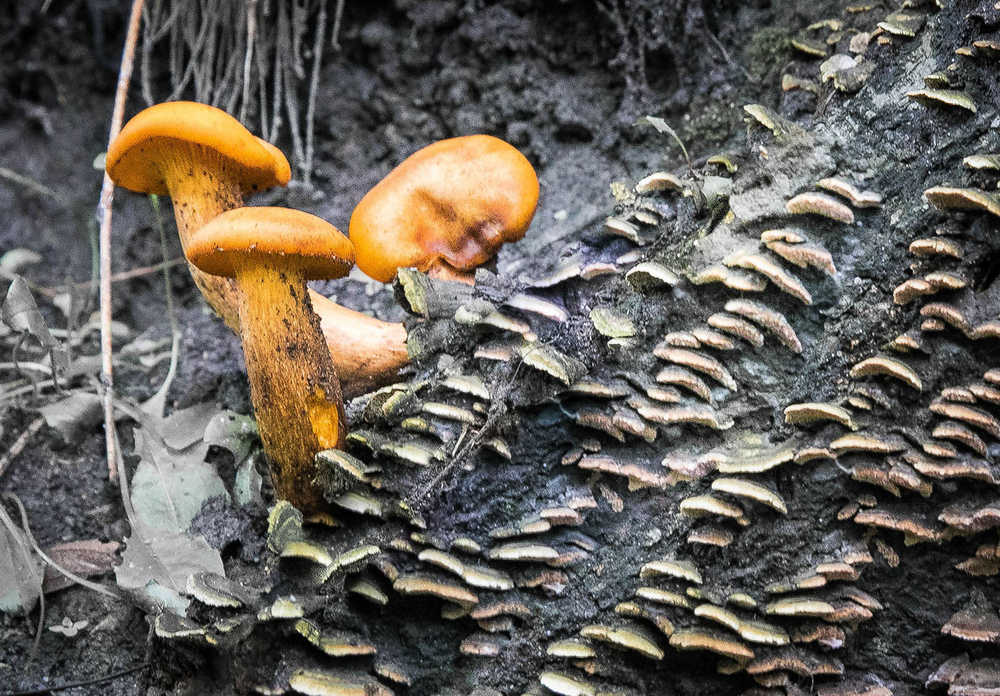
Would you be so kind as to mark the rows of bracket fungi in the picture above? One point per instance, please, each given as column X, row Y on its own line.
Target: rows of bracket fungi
column 671, row 595
column 787, row 629
column 650, row 417
column 936, row 480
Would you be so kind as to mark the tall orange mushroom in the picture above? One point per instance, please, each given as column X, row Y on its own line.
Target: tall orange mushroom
column 445, row 209
column 271, row 253
column 206, row 161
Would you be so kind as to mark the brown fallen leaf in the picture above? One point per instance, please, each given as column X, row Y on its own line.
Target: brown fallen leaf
column 86, row 558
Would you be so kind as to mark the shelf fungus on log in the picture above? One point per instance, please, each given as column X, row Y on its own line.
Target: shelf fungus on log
column 889, row 367
column 628, row 638
column 813, row 412
column 733, row 279
column 738, row 327
column 773, row 271
column 768, row 318
column 743, row 488
column 711, row 641
column 937, row 246
column 857, row 197
column 699, row 362
column 944, row 97
column 821, row 204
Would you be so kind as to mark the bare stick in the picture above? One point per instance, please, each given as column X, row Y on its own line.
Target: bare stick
column 251, row 39
column 107, row 196
column 338, row 13
column 20, row 443
column 116, row 278
column 159, row 399
column 31, row 184
column 313, row 89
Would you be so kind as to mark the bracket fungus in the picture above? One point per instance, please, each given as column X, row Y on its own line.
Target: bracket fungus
column 445, row 209
column 272, row 252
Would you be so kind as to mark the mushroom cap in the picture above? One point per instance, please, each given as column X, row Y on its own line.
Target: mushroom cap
column 155, row 133
column 271, row 235
column 458, row 200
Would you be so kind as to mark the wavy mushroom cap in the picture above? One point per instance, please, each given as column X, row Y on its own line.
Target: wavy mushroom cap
column 168, row 131
column 244, row 236
column 458, row 200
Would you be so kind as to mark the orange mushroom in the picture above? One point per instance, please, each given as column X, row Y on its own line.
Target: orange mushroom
column 445, row 209
column 206, row 161
column 271, row 253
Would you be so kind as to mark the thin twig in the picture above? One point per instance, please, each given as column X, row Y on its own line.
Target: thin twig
column 463, row 449
column 727, row 57
column 26, row 528
column 31, row 184
column 313, row 89
column 116, row 278
column 338, row 14
column 107, row 196
column 159, row 399
column 251, row 38
column 77, row 684
column 18, row 366
column 20, row 443
column 29, row 564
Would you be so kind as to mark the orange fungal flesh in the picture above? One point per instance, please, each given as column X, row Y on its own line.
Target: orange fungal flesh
column 295, row 392
column 367, row 352
column 457, row 200
column 294, row 389
column 132, row 157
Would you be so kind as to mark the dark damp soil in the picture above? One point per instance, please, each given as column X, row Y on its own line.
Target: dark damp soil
column 563, row 81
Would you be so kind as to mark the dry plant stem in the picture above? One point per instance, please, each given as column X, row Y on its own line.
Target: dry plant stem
column 96, row 587
column 31, row 184
column 29, row 563
column 293, row 385
column 20, row 443
column 107, row 196
column 318, row 44
column 116, row 278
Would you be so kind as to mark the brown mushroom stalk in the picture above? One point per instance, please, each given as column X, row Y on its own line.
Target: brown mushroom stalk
column 271, row 253
column 367, row 352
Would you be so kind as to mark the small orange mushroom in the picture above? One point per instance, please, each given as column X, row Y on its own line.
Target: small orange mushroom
column 445, row 209
column 272, row 252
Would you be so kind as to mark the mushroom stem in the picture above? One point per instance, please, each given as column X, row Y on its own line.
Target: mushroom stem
column 293, row 384
column 199, row 194
column 442, row 270
column 367, row 352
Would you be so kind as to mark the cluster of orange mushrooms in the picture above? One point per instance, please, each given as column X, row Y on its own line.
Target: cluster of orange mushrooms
column 445, row 210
